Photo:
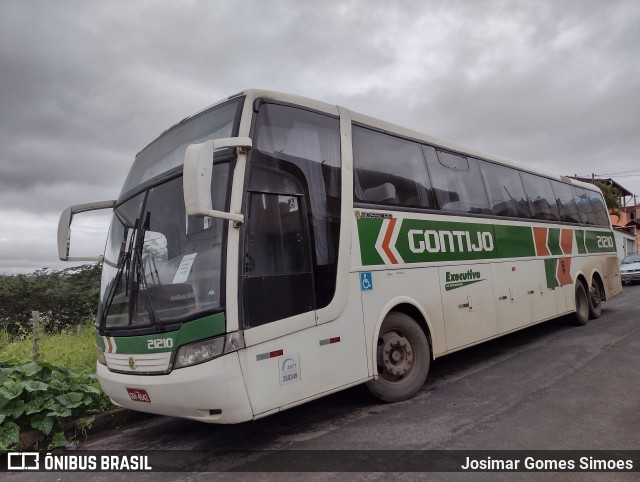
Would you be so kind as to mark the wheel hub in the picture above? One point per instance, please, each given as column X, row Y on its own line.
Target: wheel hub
column 397, row 354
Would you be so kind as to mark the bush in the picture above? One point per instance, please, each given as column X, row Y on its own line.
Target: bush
column 64, row 298
column 44, row 397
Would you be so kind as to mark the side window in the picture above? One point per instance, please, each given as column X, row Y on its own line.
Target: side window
column 599, row 209
column 305, row 145
column 584, row 206
column 541, row 196
column 566, row 202
column 505, row 190
column 457, row 182
column 389, row 170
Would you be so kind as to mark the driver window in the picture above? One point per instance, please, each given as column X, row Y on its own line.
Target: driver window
column 278, row 282
column 274, row 239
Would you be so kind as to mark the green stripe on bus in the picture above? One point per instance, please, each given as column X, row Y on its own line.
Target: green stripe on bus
column 368, row 230
column 580, row 241
column 99, row 341
column 553, row 241
column 206, row 327
column 599, row 242
column 550, row 270
column 424, row 241
column 514, row 241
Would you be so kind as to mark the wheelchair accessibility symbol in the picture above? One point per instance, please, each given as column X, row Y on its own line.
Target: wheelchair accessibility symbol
column 366, row 282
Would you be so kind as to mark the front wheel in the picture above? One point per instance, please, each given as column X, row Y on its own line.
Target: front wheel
column 581, row 316
column 403, row 358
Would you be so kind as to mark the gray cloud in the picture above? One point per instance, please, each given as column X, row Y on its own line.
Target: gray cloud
column 87, row 84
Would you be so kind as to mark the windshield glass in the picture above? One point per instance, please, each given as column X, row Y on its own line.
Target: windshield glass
column 633, row 258
column 167, row 151
column 160, row 265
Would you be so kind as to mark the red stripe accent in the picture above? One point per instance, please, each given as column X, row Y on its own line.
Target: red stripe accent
column 387, row 238
column 335, row 339
column 566, row 240
column 540, row 238
column 564, row 271
column 276, row 353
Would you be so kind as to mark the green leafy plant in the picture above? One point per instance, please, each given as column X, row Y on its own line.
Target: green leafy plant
column 48, row 398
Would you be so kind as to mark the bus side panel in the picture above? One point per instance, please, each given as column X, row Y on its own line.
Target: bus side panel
column 612, row 281
column 467, row 300
column 523, row 297
column 514, row 289
column 419, row 287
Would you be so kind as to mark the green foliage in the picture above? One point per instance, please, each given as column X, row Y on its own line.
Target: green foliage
column 74, row 348
column 45, row 397
column 63, row 298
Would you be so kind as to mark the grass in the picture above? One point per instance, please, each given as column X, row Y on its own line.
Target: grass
column 74, row 349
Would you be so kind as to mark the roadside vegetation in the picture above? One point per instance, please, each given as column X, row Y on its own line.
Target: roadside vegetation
column 54, row 391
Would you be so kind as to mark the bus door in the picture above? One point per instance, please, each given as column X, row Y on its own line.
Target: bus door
column 289, row 260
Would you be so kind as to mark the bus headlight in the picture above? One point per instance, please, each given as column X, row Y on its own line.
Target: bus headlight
column 206, row 350
column 198, row 352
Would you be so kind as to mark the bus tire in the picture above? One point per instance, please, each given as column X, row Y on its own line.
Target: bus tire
column 595, row 300
column 403, row 358
column 581, row 315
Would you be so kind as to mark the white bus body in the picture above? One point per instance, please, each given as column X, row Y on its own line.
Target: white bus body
column 332, row 249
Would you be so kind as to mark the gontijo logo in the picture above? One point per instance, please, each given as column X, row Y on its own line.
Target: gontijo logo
column 401, row 241
column 449, row 241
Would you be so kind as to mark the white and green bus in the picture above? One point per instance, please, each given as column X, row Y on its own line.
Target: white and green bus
column 273, row 249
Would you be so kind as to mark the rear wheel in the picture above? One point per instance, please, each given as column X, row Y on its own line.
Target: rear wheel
column 403, row 358
column 595, row 300
column 581, row 316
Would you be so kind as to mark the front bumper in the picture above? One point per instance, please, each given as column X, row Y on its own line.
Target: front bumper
column 630, row 276
column 212, row 392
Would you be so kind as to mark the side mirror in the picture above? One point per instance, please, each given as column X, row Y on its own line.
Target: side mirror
column 64, row 228
column 198, row 164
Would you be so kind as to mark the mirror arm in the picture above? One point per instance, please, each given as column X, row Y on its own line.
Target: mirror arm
column 198, row 165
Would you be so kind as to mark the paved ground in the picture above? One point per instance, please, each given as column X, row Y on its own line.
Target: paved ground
column 552, row 386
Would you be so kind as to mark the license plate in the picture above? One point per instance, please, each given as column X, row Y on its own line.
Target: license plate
column 138, row 395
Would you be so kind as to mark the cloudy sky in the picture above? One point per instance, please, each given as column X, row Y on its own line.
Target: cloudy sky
column 84, row 85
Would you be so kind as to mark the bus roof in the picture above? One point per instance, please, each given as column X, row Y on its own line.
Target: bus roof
column 333, row 109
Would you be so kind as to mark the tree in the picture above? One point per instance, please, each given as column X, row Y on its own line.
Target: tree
column 63, row 298
column 611, row 198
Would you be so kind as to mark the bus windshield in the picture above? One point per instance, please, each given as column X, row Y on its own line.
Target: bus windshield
column 167, row 151
column 162, row 267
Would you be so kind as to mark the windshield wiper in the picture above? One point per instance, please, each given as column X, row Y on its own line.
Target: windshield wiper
column 139, row 275
column 124, row 262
